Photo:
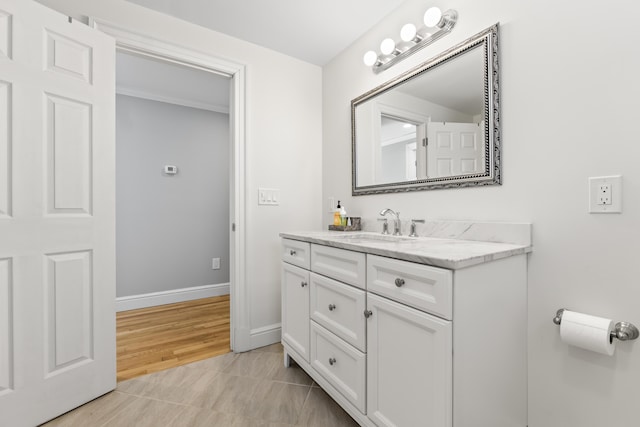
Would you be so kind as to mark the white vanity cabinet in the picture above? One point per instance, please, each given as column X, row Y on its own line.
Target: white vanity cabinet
column 400, row 343
column 409, row 375
column 295, row 308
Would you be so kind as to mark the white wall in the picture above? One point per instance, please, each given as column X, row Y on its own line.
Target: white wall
column 569, row 91
column 169, row 227
column 283, row 114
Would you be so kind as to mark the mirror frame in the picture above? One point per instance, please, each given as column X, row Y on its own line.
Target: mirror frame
column 492, row 172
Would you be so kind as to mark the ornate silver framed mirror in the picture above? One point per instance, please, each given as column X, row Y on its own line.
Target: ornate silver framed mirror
column 435, row 126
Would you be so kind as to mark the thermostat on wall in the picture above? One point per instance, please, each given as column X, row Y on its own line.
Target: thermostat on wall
column 170, row 169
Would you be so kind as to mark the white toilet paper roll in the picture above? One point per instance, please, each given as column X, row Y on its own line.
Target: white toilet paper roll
column 588, row 332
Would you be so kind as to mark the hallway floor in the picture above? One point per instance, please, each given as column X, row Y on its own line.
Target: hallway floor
column 251, row 389
column 156, row 338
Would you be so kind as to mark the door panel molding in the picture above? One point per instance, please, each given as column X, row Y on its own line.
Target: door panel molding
column 69, row 156
column 6, row 326
column 69, row 310
column 69, row 57
column 6, row 34
column 6, row 107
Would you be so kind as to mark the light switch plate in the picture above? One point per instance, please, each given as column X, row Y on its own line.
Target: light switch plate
column 268, row 196
column 605, row 194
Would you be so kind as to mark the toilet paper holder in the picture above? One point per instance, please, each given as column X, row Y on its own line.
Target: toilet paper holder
column 624, row 331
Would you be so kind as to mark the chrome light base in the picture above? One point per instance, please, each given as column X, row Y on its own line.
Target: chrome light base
column 446, row 24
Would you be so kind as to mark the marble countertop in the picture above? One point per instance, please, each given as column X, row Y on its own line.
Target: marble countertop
column 440, row 252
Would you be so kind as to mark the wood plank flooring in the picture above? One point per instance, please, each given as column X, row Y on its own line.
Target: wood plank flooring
column 157, row 338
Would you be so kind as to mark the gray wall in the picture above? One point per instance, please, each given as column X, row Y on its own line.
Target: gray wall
column 169, row 227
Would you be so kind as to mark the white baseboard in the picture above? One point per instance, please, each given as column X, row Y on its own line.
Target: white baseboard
column 169, row 297
column 266, row 335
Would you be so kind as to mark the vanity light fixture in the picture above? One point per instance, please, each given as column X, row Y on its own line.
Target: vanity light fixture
column 412, row 39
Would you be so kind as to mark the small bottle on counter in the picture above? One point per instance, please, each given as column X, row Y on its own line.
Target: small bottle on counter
column 336, row 215
column 343, row 216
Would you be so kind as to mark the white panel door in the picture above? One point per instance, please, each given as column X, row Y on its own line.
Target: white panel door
column 409, row 366
column 57, row 214
column 454, row 149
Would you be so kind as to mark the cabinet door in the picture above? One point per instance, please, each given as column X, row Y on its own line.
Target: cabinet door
column 295, row 308
column 409, row 375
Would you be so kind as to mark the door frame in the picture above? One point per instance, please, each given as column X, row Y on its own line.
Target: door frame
column 129, row 41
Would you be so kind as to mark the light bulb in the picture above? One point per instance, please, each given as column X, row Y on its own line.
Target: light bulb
column 370, row 58
column 432, row 17
column 408, row 32
column 387, row 46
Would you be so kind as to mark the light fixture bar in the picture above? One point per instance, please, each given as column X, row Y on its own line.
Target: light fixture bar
column 445, row 25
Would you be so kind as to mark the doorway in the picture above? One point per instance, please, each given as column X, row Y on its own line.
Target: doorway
column 172, row 208
column 152, row 48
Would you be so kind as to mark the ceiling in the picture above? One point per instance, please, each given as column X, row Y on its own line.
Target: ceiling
column 313, row 31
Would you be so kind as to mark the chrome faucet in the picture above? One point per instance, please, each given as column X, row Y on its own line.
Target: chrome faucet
column 385, row 225
column 396, row 223
column 413, row 227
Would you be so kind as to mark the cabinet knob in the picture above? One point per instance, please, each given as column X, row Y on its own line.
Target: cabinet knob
column 332, row 307
column 292, row 252
column 399, row 282
column 332, row 361
column 368, row 313
column 303, row 284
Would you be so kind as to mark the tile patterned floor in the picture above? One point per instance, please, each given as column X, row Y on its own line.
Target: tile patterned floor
column 251, row 389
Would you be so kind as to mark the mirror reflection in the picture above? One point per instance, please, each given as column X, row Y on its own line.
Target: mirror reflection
column 429, row 128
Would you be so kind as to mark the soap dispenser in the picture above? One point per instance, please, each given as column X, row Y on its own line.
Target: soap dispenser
column 343, row 216
column 336, row 215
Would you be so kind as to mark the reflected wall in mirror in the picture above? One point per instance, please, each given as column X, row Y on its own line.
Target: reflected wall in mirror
column 436, row 126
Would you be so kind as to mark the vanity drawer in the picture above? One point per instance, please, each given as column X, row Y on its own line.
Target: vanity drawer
column 340, row 364
column 296, row 253
column 420, row 286
column 345, row 266
column 339, row 308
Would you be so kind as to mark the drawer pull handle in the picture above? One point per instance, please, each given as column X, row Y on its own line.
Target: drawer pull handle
column 292, row 252
column 332, row 361
column 332, row 307
column 303, row 284
column 368, row 313
column 399, row 282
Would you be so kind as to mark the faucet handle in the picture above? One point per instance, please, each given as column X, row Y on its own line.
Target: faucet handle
column 413, row 227
column 385, row 225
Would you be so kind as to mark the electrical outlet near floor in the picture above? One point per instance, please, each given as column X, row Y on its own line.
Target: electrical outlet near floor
column 605, row 194
column 215, row 263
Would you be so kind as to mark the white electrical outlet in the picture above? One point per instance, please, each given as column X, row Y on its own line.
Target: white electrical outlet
column 605, row 194
column 215, row 263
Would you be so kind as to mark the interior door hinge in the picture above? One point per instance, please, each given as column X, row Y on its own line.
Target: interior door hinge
column 233, row 226
column 425, row 142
